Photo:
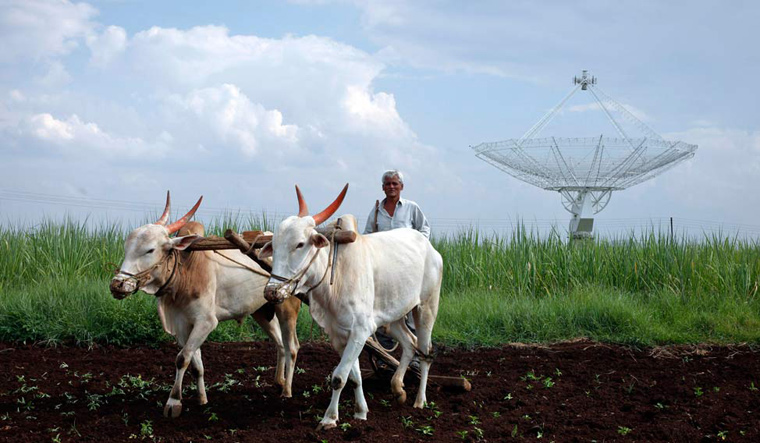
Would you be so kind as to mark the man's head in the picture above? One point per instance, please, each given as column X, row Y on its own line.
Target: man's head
column 393, row 183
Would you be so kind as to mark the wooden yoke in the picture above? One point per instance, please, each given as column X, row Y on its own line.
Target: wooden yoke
column 232, row 240
column 212, row 242
column 341, row 236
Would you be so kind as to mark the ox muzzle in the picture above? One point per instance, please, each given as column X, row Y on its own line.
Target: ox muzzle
column 277, row 291
column 123, row 286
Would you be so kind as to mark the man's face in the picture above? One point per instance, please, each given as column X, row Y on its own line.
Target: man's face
column 392, row 187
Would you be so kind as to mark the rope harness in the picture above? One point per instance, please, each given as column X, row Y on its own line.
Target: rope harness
column 243, row 265
column 142, row 278
column 289, row 285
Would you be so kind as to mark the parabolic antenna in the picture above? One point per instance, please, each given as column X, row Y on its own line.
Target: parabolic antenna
column 585, row 170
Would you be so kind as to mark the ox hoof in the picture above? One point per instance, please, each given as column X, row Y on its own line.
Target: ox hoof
column 202, row 400
column 360, row 415
column 401, row 397
column 286, row 395
column 326, row 426
column 419, row 404
column 172, row 410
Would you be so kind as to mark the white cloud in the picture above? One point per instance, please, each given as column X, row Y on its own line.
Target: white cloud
column 76, row 138
column 55, row 77
column 38, row 29
column 232, row 119
column 107, row 45
column 321, row 88
column 46, row 127
column 374, row 112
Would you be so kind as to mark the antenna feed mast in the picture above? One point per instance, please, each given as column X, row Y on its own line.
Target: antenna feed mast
column 584, row 80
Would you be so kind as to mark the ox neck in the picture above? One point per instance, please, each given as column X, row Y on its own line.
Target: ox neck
column 167, row 285
column 314, row 276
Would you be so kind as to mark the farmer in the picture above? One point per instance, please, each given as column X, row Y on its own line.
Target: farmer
column 395, row 212
column 391, row 213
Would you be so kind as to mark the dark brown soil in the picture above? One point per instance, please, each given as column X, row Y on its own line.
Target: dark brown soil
column 578, row 391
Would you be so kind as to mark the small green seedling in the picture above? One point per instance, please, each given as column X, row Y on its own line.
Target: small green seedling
column 146, row 428
column 425, row 430
column 622, row 430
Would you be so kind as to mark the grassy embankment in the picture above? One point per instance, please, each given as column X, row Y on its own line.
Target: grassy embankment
column 648, row 290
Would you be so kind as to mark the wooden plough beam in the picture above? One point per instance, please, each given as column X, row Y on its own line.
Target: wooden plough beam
column 252, row 240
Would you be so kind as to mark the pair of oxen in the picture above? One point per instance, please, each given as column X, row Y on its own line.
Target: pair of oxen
column 379, row 278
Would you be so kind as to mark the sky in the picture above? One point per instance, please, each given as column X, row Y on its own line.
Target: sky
column 106, row 105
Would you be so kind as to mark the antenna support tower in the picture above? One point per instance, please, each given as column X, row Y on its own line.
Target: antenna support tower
column 585, row 171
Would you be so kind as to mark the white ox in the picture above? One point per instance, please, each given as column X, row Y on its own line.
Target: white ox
column 379, row 278
column 196, row 290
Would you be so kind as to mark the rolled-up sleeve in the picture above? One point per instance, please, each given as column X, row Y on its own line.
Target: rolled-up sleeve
column 420, row 222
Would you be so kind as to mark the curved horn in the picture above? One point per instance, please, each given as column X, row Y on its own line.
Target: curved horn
column 330, row 210
column 303, row 211
column 165, row 216
column 177, row 225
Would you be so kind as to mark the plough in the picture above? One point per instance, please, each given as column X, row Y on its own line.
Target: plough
column 250, row 241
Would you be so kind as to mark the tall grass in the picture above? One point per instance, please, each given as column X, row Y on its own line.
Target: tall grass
column 528, row 265
column 645, row 289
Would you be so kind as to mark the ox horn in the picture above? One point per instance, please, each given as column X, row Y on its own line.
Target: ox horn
column 165, row 216
column 330, row 210
column 303, row 210
column 177, row 225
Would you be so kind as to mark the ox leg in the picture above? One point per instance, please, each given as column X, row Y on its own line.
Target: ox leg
column 407, row 341
column 287, row 314
column 272, row 329
column 361, row 403
column 197, row 365
column 349, row 357
column 195, row 339
column 428, row 312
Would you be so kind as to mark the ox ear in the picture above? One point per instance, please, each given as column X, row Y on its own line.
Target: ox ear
column 182, row 243
column 319, row 240
column 266, row 251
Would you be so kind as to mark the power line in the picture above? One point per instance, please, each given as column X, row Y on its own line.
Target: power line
column 439, row 223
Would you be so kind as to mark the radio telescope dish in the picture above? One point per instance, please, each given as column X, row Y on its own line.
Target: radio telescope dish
column 585, row 170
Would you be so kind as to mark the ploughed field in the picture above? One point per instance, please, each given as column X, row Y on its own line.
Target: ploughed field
column 574, row 391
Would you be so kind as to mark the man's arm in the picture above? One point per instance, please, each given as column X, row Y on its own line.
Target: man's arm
column 420, row 222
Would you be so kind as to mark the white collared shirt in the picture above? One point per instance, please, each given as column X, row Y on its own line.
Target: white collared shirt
column 407, row 215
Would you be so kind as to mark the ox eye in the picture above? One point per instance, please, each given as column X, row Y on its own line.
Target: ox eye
column 299, row 246
column 150, row 251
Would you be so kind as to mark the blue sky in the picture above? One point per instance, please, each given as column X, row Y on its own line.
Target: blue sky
column 238, row 101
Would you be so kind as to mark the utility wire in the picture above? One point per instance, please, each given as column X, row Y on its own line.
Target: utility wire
column 609, row 225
